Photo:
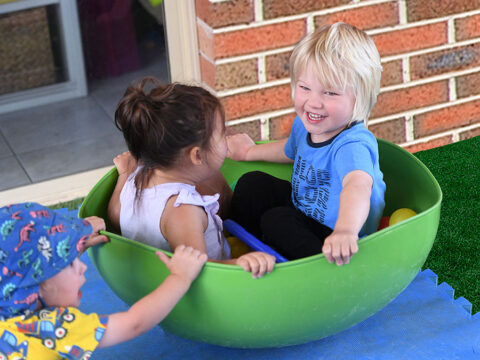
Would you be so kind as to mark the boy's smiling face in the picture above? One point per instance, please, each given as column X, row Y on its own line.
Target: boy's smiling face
column 324, row 112
column 63, row 289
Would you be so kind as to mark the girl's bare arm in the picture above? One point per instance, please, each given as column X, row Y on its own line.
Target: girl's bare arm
column 125, row 164
column 186, row 225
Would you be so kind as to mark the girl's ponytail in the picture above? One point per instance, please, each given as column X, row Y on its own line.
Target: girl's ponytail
column 159, row 121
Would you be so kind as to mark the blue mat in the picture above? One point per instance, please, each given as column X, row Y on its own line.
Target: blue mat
column 423, row 322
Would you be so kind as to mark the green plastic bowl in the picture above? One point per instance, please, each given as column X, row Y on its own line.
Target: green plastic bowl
column 301, row 300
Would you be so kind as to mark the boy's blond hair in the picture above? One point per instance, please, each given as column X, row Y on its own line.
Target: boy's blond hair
column 342, row 56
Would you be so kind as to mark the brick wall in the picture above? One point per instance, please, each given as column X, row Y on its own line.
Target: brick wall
column 430, row 51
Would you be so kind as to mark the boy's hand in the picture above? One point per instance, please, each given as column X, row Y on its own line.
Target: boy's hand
column 125, row 163
column 238, row 146
column 185, row 263
column 340, row 246
column 257, row 263
column 95, row 238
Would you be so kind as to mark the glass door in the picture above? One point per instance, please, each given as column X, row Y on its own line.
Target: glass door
column 123, row 41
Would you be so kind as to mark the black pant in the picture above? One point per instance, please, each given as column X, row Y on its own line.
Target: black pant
column 262, row 204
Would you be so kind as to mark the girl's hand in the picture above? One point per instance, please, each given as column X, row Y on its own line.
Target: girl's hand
column 185, row 263
column 125, row 163
column 257, row 263
column 340, row 246
column 238, row 146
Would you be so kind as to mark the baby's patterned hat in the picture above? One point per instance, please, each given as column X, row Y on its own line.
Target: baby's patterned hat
column 36, row 243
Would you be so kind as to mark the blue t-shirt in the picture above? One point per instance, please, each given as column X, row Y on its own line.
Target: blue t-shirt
column 319, row 169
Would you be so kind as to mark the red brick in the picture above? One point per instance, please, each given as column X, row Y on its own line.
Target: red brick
column 445, row 140
column 281, row 126
column 259, row 38
column 252, row 128
column 205, row 41
column 467, row 28
column 410, row 98
column 448, row 118
column 258, row 101
column 277, row 8
column 428, row 9
column 207, row 70
column 365, row 17
column 277, row 66
column 392, row 73
column 393, row 130
column 470, row 134
column 416, row 38
column 236, row 74
column 203, row 8
column 225, row 13
column 468, row 85
column 440, row 62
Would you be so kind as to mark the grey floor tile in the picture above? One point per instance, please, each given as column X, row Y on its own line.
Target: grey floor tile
column 4, row 148
column 109, row 92
column 67, row 137
column 67, row 159
column 157, row 68
column 60, row 123
column 108, row 100
column 11, row 174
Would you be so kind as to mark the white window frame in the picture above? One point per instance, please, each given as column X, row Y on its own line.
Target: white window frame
column 182, row 43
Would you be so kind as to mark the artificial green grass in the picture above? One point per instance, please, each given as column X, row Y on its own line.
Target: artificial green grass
column 70, row 205
column 455, row 255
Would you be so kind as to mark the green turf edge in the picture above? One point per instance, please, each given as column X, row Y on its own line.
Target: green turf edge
column 70, row 205
column 455, row 253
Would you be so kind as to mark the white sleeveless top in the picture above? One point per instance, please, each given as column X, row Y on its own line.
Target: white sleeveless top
column 140, row 220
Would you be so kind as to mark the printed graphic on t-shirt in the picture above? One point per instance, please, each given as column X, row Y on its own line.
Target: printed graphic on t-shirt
column 50, row 334
column 311, row 189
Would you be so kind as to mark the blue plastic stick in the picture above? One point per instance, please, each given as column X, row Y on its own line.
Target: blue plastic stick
column 239, row 232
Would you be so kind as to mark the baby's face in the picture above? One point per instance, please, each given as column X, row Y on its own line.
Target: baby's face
column 63, row 289
column 324, row 112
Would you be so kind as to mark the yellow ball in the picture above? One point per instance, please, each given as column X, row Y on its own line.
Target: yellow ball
column 237, row 247
column 400, row 215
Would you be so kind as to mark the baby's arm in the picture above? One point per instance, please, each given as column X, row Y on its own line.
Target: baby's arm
column 125, row 164
column 242, row 148
column 341, row 245
column 184, row 266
